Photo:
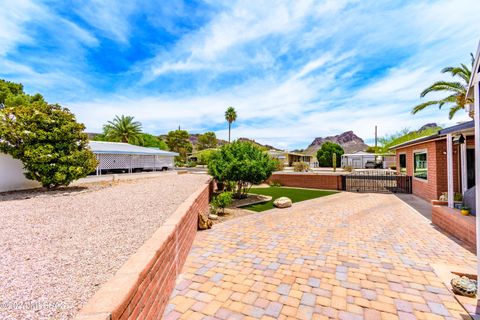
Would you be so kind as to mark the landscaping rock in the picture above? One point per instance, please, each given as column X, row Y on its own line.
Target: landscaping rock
column 282, row 202
column 464, row 286
column 213, row 216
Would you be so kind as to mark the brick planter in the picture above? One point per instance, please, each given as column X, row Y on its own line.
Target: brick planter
column 142, row 286
column 454, row 223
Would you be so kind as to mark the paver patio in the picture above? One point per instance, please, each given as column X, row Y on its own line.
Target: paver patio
column 345, row 256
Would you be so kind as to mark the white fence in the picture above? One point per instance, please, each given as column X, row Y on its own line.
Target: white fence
column 11, row 175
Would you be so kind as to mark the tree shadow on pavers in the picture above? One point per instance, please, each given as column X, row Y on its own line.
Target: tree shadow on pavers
column 41, row 193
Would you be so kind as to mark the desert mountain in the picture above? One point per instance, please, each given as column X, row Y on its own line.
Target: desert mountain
column 349, row 141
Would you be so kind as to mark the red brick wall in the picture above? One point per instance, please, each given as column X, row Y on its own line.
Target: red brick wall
column 436, row 183
column 142, row 286
column 308, row 180
column 452, row 222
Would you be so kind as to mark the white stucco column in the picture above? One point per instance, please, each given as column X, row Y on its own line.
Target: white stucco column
column 463, row 166
column 476, row 97
column 450, row 170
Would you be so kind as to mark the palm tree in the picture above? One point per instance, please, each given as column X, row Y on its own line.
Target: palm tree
column 457, row 99
column 123, row 129
column 230, row 116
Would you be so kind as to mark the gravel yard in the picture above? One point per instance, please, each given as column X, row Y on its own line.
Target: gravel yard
column 57, row 248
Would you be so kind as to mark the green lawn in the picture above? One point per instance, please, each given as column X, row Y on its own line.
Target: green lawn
column 296, row 195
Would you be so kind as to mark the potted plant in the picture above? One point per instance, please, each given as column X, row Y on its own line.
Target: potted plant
column 465, row 211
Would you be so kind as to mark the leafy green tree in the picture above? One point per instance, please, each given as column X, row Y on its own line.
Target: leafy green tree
column 230, row 116
column 207, row 140
column 12, row 94
column 178, row 141
column 48, row 140
column 325, row 154
column 151, row 141
column 123, row 129
column 205, row 156
column 456, row 90
column 242, row 163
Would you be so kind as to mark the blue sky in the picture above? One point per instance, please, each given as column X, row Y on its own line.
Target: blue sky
column 294, row 70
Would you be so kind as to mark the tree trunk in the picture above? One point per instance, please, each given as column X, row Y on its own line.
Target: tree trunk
column 229, row 127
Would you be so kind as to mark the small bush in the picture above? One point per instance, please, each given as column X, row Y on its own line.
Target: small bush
column 279, row 166
column 457, row 197
column 300, row 166
column 223, row 200
column 275, row 184
column 191, row 164
column 393, row 167
column 348, row 168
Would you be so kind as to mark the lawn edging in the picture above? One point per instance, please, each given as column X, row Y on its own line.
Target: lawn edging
column 140, row 289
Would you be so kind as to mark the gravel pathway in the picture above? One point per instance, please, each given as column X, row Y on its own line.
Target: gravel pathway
column 58, row 248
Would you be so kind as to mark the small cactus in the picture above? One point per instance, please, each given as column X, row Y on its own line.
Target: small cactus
column 334, row 160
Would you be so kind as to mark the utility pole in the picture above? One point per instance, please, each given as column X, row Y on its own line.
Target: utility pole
column 376, row 139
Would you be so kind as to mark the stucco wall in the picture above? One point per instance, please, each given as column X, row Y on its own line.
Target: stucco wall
column 11, row 175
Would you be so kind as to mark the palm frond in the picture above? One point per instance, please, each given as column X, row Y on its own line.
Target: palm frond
column 444, row 86
column 454, row 110
column 422, row 106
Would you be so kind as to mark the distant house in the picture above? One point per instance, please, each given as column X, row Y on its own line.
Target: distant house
column 288, row 158
column 359, row 159
column 117, row 156
column 428, row 160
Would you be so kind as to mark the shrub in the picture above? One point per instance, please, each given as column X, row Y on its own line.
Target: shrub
column 223, row 200
column 275, row 184
column 325, row 154
column 191, row 164
column 243, row 163
column 300, row 166
column 279, row 166
column 393, row 167
column 205, row 156
column 48, row 140
column 348, row 168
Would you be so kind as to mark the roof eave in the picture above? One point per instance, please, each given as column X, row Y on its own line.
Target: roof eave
column 476, row 65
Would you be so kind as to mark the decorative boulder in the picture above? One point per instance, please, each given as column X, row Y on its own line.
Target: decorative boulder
column 469, row 200
column 282, row 202
column 464, row 286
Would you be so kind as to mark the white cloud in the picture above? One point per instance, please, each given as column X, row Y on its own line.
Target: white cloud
column 301, row 69
column 111, row 17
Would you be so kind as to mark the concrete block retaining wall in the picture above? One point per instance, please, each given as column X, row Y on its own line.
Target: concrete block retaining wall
column 308, row 180
column 142, row 286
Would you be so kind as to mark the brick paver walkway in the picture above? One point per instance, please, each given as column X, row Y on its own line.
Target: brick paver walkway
column 345, row 256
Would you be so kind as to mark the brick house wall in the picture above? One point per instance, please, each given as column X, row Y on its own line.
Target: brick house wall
column 437, row 183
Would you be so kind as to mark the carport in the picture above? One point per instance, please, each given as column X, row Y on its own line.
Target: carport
column 124, row 156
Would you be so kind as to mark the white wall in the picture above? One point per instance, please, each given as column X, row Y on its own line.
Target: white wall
column 11, row 175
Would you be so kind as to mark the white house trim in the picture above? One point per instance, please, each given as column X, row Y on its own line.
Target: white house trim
column 450, row 170
column 475, row 86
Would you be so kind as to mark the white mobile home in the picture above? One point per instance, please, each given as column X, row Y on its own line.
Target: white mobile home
column 113, row 156
column 358, row 160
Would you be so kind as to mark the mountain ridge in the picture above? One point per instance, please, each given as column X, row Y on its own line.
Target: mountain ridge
column 348, row 140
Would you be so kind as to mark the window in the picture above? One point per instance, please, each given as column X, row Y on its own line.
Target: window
column 403, row 162
column 420, row 165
